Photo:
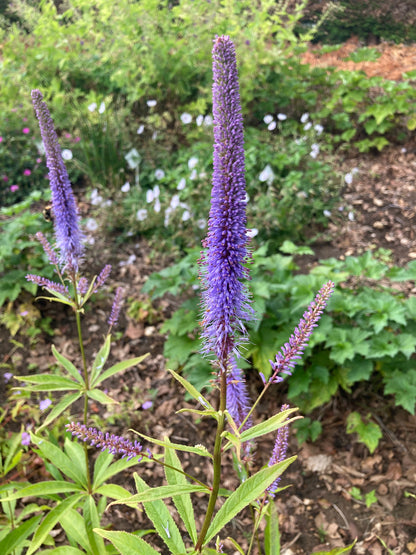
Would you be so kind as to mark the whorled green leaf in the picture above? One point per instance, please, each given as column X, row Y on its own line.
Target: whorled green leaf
column 247, row 492
column 15, row 538
column 63, row 404
column 126, row 543
column 47, row 382
column 101, row 397
column 269, row 425
column 51, row 519
column 201, row 451
column 104, row 469
column 73, row 524
column 162, row 492
column 162, row 520
column 100, row 359
column 119, row 367
column 183, row 502
column 192, row 390
column 92, row 521
column 68, row 365
column 114, row 491
column 44, row 489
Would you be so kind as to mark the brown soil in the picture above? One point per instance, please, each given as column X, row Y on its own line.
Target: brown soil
column 317, row 511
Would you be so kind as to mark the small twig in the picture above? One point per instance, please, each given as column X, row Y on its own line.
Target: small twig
column 341, row 514
column 394, row 439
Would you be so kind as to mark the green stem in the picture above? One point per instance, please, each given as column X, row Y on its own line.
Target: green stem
column 256, row 526
column 216, row 463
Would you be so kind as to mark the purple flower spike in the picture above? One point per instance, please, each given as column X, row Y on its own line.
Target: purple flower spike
column 279, row 451
column 225, row 298
column 48, row 284
column 291, row 352
column 115, row 311
column 114, row 444
column 68, row 234
column 50, row 253
column 238, row 402
column 103, row 276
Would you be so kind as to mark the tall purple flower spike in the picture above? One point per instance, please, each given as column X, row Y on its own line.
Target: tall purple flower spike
column 238, row 402
column 279, row 451
column 225, row 297
column 67, row 232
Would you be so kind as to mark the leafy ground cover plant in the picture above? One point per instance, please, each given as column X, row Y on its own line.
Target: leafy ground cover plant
column 77, row 492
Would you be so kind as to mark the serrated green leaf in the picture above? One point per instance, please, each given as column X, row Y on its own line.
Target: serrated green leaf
column 191, row 390
column 269, row 425
column 73, row 524
column 63, row 404
column 67, row 364
column 92, row 520
column 51, row 520
column 272, row 532
column 101, row 397
column 44, row 489
column 159, row 514
column 126, row 543
column 46, row 382
column 161, row 492
column 17, row 537
column 119, row 367
column 369, row 433
column 183, row 502
column 403, row 386
column 247, row 492
column 100, row 359
column 103, row 471
column 114, row 491
column 203, row 452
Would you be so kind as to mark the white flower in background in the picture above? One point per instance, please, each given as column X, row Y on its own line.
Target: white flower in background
column 168, row 212
column 140, row 129
column 307, row 126
column 91, row 224
column 403, row 150
column 154, row 135
column 174, row 203
column 194, row 175
column 156, row 206
column 314, row 150
column 186, row 215
column 252, row 232
column 92, row 107
column 151, row 103
column 354, row 171
column 202, row 175
column 351, row 216
column 150, row 197
column 186, row 118
column 133, row 158
column 267, row 119
column 108, row 202
column 67, row 154
column 318, row 128
column 96, row 199
column 199, row 120
column 348, row 177
column 156, row 191
column 201, row 223
column 281, row 117
column 159, row 174
column 272, row 126
column 267, row 175
column 181, row 184
column 141, row 214
column 246, row 199
column 101, row 109
column 302, row 194
column 126, row 187
column 41, row 147
column 192, row 162
column 304, row 117
column 208, row 120
column 327, row 213
column 341, row 208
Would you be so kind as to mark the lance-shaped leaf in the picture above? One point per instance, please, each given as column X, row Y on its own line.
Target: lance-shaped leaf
column 119, row 367
column 198, row 450
column 127, row 544
column 192, row 390
column 67, row 364
column 63, row 404
column 100, row 359
column 15, row 538
column 162, row 492
column 46, row 382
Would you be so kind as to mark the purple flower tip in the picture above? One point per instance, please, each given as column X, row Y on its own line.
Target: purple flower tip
column 25, row 438
column 44, row 404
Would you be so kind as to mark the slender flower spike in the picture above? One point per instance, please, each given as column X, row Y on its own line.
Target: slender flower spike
column 291, row 352
column 115, row 311
column 225, row 298
column 48, row 284
column 238, row 402
column 114, row 444
column 68, row 234
column 279, row 451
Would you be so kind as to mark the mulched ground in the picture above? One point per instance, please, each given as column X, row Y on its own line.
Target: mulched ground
column 317, row 511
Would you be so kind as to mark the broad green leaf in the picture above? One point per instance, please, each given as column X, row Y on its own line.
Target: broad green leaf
column 92, row 520
column 369, row 432
column 247, row 492
column 16, row 537
column 114, row 491
column 73, row 524
column 60, row 460
column 201, row 451
column 337, row 550
column 162, row 492
column 67, row 364
column 101, row 397
column 126, row 543
column 100, row 359
column 192, row 391
column 183, row 502
column 76, row 454
column 50, row 521
column 46, row 382
column 103, row 471
column 269, row 425
column 43, row 489
column 63, row 404
column 119, row 367
column 159, row 514
column 271, row 532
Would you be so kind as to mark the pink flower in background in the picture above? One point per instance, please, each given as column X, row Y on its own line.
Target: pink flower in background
column 25, row 130
column 24, row 119
column 14, row 188
column 27, row 172
column 38, row 160
column 5, row 178
column 1, row 139
column 147, row 405
column 67, row 135
column 77, row 139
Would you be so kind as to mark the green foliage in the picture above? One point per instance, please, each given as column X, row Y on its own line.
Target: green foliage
column 367, row 331
column 368, row 432
column 307, row 430
column 369, row 498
